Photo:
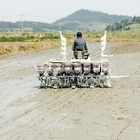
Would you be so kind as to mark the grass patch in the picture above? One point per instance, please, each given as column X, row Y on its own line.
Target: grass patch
column 15, row 43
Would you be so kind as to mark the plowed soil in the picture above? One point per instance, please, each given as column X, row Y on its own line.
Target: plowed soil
column 30, row 113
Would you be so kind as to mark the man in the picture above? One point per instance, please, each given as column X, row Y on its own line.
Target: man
column 79, row 45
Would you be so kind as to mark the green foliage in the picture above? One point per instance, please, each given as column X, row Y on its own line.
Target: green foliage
column 123, row 25
column 28, row 37
column 136, row 19
column 12, row 39
column 49, row 36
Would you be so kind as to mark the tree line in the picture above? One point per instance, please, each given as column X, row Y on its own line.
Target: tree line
column 123, row 25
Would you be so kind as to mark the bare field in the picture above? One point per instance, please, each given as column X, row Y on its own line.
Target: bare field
column 29, row 113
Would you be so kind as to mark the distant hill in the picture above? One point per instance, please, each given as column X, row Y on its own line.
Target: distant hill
column 82, row 20
column 89, row 20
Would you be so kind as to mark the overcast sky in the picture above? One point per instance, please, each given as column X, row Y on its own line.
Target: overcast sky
column 51, row 10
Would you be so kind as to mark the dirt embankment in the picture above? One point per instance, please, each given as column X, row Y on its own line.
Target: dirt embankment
column 15, row 48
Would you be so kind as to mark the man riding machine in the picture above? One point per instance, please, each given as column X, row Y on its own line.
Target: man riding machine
column 80, row 45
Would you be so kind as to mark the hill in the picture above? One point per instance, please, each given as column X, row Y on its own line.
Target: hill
column 88, row 20
column 80, row 20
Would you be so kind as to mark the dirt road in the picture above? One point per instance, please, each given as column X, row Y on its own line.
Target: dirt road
column 29, row 113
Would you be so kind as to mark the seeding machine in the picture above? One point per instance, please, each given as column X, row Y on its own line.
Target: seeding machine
column 75, row 73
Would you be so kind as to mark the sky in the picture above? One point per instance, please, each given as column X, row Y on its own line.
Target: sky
column 49, row 11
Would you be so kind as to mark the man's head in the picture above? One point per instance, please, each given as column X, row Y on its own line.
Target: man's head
column 79, row 34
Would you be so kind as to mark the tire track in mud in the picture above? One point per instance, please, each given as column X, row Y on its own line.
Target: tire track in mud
column 86, row 102
column 85, row 97
column 14, row 90
column 77, row 101
column 58, row 119
column 96, row 53
column 13, row 103
column 53, row 111
column 39, row 108
column 38, row 99
column 63, row 105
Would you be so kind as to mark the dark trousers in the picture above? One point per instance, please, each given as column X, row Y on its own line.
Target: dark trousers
column 78, row 48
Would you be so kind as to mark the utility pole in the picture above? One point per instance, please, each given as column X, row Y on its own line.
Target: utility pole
column 21, row 23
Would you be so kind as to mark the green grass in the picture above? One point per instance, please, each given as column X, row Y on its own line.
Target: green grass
column 131, row 35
